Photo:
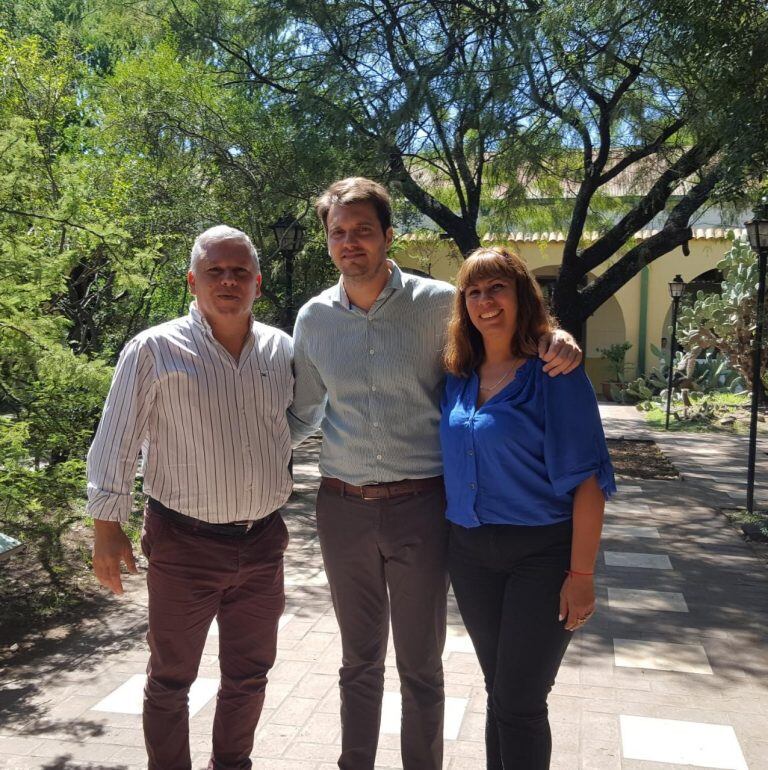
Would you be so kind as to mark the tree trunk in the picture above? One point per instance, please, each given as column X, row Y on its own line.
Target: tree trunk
column 466, row 238
column 567, row 307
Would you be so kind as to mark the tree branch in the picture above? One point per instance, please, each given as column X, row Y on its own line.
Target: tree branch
column 675, row 232
column 647, row 208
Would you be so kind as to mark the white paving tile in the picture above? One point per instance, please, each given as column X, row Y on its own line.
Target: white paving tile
column 643, row 560
column 300, row 578
column 458, row 643
column 629, row 489
column 214, row 629
column 128, row 698
column 392, row 710
column 661, row 656
column 637, row 599
column 683, row 743
column 630, row 530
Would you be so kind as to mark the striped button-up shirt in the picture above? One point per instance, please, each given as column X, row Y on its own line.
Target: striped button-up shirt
column 373, row 380
column 212, row 431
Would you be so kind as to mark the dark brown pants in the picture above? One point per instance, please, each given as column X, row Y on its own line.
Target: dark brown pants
column 387, row 556
column 192, row 579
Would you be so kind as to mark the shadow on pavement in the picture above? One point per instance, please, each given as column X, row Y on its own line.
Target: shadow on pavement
column 64, row 763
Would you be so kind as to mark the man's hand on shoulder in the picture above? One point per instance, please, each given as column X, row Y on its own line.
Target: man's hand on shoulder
column 111, row 546
column 560, row 353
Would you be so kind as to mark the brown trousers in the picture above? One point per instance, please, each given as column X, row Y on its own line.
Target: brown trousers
column 192, row 579
column 381, row 557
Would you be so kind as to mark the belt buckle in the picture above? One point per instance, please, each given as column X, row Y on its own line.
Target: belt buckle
column 362, row 493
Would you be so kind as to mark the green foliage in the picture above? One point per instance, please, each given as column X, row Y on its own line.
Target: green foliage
column 615, row 355
column 710, row 374
column 725, row 321
column 115, row 151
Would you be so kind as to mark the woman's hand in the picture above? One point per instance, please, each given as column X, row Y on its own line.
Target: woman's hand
column 577, row 600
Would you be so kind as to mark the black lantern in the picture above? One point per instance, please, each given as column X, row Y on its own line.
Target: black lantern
column 757, row 231
column 676, row 289
column 289, row 234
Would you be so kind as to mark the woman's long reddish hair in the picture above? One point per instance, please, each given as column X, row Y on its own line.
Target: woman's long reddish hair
column 464, row 347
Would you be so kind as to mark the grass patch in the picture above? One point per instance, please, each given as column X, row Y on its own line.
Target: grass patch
column 707, row 412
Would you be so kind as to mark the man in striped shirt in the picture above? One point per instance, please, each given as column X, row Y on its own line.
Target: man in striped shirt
column 368, row 368
column 204, row 399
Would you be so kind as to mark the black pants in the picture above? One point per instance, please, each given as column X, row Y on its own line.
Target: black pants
column 507, row 582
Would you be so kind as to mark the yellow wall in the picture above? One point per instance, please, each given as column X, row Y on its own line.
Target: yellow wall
column 616, row 320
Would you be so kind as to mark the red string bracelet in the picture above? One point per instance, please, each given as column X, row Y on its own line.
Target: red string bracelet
column 574, row 572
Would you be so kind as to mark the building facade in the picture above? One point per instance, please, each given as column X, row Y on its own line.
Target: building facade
column 640, row 311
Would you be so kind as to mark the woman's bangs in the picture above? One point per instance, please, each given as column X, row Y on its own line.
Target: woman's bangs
column 481, row 267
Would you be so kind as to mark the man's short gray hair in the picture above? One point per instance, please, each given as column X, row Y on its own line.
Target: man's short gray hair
column 216, row 235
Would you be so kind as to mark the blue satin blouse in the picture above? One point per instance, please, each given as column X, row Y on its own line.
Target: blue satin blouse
column 519, row 457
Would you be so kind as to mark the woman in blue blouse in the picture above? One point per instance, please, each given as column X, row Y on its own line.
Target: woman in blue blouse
column 526, row 474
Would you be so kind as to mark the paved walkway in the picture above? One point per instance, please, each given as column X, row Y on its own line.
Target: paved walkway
column 672, row 672
column 714, row 465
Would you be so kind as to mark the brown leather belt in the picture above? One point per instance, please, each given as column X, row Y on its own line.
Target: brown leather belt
column 383, row 491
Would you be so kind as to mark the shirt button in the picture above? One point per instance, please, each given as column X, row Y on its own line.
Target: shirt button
column 373, row 388
column 378, row 457
column 375, row 425
column 371, row 351
column 471, row 486
column 470, row 453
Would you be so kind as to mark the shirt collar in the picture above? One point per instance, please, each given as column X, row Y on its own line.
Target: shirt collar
column 395, row 282
column 200, row 320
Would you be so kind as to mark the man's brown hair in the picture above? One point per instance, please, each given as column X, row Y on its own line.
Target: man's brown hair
column 464, row 346
column 356, row 189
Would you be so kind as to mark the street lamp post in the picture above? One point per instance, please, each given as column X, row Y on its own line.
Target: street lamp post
column 676, row 289
column 757, row 231
column 289, row 235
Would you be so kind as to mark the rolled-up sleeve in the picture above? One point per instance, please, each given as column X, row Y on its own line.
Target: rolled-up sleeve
column 574, row 441
column 123, row 428
column 309, row 395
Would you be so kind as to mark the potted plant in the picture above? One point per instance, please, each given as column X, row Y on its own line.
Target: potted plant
column 615, row 355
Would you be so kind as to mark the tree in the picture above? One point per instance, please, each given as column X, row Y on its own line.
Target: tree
column 466, row 104
column 725, row 322
column 51, row 392
column 220, row 154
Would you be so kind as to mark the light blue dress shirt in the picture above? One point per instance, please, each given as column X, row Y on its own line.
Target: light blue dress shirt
column 519, row 457
column 373, row 381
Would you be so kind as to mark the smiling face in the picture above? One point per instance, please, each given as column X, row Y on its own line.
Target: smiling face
column 492, row 306
column 356, row 242
column 225, row 282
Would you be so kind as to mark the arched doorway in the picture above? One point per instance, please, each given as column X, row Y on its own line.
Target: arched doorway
column 708, row 282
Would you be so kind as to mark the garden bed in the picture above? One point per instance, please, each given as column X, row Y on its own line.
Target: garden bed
column 640, row 459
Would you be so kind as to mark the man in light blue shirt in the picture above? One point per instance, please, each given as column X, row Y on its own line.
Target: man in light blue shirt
column 368, row 369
